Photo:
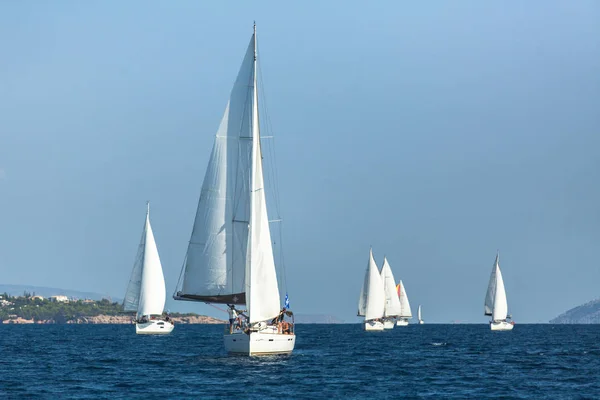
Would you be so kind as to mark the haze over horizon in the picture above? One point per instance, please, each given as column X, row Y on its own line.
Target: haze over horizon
column 435, row 134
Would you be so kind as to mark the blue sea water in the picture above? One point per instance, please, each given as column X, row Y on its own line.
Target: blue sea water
column 330, row 361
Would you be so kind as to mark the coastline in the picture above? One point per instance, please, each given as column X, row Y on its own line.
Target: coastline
column 117, row 319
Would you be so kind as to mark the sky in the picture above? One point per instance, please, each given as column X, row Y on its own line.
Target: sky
column 437, row 134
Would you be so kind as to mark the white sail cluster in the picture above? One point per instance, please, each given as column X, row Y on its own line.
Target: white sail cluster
column 380, row 298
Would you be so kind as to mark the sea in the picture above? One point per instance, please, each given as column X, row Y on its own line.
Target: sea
column 330, row 362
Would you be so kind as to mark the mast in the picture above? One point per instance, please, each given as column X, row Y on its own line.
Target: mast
column 253, row 188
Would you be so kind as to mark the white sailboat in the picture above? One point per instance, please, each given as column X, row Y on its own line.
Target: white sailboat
column 419, row 316
column 405, row 313
column 146, row 293
column 230, row 257
column 371, row 303
column 496, row 304
column 393, row 308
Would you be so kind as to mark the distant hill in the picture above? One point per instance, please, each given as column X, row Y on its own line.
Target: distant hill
column 17, row 290
column 316, row 319
column 588, row 313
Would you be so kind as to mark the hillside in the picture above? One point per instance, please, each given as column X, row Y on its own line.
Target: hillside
column 588, row 313
column 18, row 290
column 35, row 309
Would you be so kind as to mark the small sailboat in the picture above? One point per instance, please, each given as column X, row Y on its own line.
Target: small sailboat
column 405, row 313
column 146, row 293
column 371, row 303
column 230, row 258
column 419, row 316
column 496, row 304
column 392, row 308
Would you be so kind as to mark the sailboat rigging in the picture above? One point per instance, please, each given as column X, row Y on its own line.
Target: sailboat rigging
column 230, row 255
column 146, row 293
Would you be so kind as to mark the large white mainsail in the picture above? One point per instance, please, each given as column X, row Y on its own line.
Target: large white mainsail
column 404, row 304
column 146, row 289
column 392, row 301
column 230, row 257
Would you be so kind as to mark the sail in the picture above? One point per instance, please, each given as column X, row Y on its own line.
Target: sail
column 230, row 255
column 419, row 313
column 500, row 310
column 132, row 295
column 491, row 290
column 404, row 304
column 215, row 267
column 364, row 290
column 263, row 300
column 146, row 293
column 375, row 298
column 392, row 301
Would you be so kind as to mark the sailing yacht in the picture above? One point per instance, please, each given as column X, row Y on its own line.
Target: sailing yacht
column 146, row 293
column 392, row 302
column 371, row 303
column 419, row 316
column 230, row 258
column 405, row 313
column 496, row 305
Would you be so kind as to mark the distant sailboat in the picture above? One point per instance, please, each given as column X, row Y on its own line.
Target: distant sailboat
column 393, row 308
column 419, row 315
column 230, row 255
column 405, row 313
column 496, row 304
column 371, row 303
column 146, row 293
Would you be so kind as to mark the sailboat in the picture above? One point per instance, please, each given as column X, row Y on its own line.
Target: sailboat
column 419, row 316
column 405, row 313
column 392, row 301
column 371, row 303
column 496, row 305
column 230, row 258
column 146, row 293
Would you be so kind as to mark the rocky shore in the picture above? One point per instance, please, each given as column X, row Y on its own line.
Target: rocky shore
column 118, row 319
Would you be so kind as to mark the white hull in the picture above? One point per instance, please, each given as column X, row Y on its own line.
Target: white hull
column 373, row 326
column 421, row 322
column 388, row 323
column 501, row 326
column 266, row 342
column 402, row 322
column 154, row 327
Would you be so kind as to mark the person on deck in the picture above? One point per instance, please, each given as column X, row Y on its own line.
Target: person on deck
column 232, row 316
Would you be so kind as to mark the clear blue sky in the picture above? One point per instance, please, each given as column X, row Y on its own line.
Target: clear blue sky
column 436, row 133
